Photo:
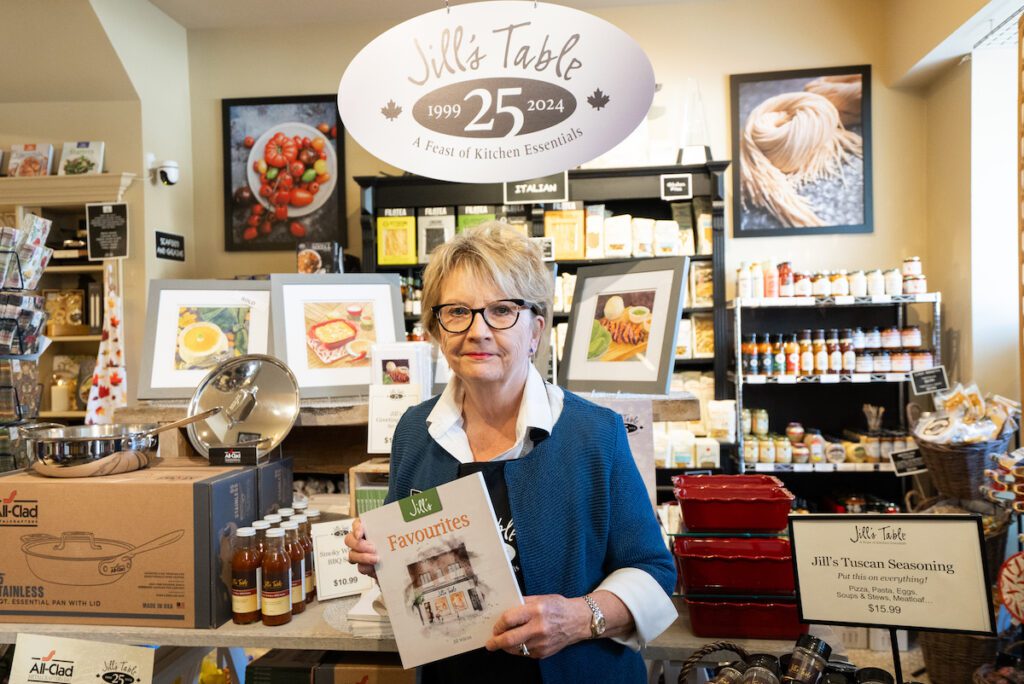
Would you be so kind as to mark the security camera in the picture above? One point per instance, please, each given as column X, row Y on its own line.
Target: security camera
column 167, row 172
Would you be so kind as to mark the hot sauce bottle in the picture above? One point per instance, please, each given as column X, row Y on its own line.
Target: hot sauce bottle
column 277, row 580
column 806, row 353
column 835, row 355
column 297, row 554
column 792, row 350
column 764, row 354
column 779, row 353
column 308, row 580
column 245, row 578
column 751, row 363
column 820, row 353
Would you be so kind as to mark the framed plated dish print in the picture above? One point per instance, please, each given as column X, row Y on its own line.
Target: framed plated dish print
column 622, row 330
column 801, row 144
column 193, row 325
column 283, row 172
column 325, row 326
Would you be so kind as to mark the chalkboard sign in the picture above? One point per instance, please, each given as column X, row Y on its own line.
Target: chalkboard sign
column 553, row 188
column 107, row 233
column 908, row 462
column 930, row 380
column 170, row 246
column 676, row 186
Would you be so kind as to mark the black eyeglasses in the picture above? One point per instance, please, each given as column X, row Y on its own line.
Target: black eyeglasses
column 499, row 315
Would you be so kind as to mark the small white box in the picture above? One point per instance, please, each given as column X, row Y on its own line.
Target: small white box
column 878, row 639
column 852, row 637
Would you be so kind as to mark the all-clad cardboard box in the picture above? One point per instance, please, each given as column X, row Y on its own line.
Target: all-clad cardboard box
column 148, row 548
column 365, row 668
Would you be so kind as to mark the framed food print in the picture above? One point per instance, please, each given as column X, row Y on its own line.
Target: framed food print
column 325, row 326
column 284, row 172
column 193, row 325
column 622, row 330
column 801, row 145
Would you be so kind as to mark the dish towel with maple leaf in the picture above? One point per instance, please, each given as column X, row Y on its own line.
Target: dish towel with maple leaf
column 109, row 387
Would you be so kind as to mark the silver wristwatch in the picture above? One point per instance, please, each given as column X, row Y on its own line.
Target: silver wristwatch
column 597, row 623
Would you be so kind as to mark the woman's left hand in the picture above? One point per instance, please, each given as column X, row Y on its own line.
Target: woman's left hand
column 546, row 624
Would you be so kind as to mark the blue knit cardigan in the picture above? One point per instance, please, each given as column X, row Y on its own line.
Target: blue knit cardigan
column 581, row 512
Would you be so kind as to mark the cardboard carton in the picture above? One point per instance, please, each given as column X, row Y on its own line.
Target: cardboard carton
column 150, row 548
column 362, row 668
column 280, row 666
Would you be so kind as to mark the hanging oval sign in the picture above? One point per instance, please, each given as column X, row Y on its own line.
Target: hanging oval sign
column 489, row 92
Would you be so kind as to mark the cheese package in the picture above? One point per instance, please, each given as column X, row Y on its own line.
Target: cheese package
column 396, row 237
column 30, row 159
column 618, row 236
column 565, row 223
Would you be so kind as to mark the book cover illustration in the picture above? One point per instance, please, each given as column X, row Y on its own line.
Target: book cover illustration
column 443, row 570
column 81, row 157
column 434, row 227
column 30, row 159
column 396, row 237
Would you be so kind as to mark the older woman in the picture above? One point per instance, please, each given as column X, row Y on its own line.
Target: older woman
column 586, row 547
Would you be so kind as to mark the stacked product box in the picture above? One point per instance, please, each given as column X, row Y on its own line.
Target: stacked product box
column 735, row 569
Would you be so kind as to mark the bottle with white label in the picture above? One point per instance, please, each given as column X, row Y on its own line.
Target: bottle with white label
column 770, row 273
column 743, row 281
column 756, row 281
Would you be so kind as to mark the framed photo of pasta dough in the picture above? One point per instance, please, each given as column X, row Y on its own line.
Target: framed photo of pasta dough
column 325, row 326
column 622, row 330
column 801, row 149
column 193, row 325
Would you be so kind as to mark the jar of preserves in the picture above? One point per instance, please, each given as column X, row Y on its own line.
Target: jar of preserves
column 901, row 361
column 912, row 266
column 882, row 361
column 760, row 422
column 783, row 450
column 849, row 361
column 910, row 337
column 858, row 284
column 746, row 422
column 872, row 339
column 795, row 432
column 840, row 284
column 285, row 513
column 899, row 442
column 892, row 338
column 865, row 362
column 887, row 442
column 730, row 673
column 313, row 515
column 820, row 353
column 921, row 360
column 792, row 352
column 806, row 353
column 766, row 450
column 786, row 288
column 858, row 339
column 802, row 286
column 273, row 518
column 821, row 285
column 893, row 282
column 245, row 577
column 915, row 285
column 801, row 454
column 297, row 554
column 750, row 449
column 277, row 580
column 876, row 282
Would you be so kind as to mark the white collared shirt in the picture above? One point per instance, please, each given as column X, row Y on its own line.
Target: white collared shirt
column 540, row 408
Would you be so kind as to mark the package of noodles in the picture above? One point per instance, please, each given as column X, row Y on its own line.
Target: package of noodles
column 951, row 401
column 975, row 403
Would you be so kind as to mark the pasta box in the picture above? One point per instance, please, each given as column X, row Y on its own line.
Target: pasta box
column 150, row 548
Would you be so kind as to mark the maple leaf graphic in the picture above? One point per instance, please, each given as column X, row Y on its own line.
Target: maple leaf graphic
column 391, row 111
column 598, row 99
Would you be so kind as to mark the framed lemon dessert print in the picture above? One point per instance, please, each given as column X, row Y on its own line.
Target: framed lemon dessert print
column 622, row 330
column 325, row 327
column 193, row 325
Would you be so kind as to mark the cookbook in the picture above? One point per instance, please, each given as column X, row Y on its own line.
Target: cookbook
column 443, row 570
column 30, row 159
column 82, row 157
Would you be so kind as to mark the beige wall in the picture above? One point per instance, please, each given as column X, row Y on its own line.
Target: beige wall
column 914, row 28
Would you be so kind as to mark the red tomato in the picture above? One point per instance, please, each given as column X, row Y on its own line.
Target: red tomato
column 323, row 128
column 258, row 209
column 280, row 137
column 314, row 187
column 286, row 181
column 280, row 198
column 323, row 154
column 280, row 154
column 249, row 234
column 249, row 141
column 296, row 168
column 301, row 198
column 318, row 144
column 265, row 190
column 265, row 228
column 281, row 213
column 297, row 229
column 253, row 220
column 334, row 131
column 306, row 141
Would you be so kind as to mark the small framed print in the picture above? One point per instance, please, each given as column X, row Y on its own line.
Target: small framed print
column 193, row 325
column 326, row 326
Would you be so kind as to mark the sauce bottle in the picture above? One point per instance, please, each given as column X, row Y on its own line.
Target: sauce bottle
column 297, row 554
column 786, row 279
column 846, row 349
column 820, row 353
column 308, row 580
column 792, row 351
column 765, row 356
column 756, row 281
column 835, row 356
column 743, row 281
column 779, row 354
column 751, row 364
column 806, row 353
column 245, row 577
column 771, row 278
column 277, row 580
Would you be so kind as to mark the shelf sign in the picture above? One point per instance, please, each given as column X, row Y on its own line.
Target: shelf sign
column 170, row 246
column 930, row 380
column 56, row 660
column 234, row 456
column 676, row 186
column 908, row 462
column 892, row 571
column 553, row 188
column 107, row 233
column 489, row 92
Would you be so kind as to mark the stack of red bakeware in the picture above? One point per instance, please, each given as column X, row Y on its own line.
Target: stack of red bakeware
column 735, row 568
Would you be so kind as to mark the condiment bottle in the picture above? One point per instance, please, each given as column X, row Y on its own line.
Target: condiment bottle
column 873, row 675
column 792, row 351
column 816, row 443
column 748, row 352
column 876, row 282
column 779, row 355
column 912, row 266
column 300, row 506
column 756, row 281
column 821, row 286
column 893, row 282
column 802, row 286
column 858, row 284
column 313, row 515
column 858, row 339
column 771, row 278
column 297, row 554
column 261, row 527
column 835, row 356
column 846, row 349
column 910, row 337
column 729, row 674
column 872, row 339
column 820, row 353
column 245, row 577
column 765, row 356
column 786, row 279
column 277, row 580
column 761, row 422
column 743, row 290
column 274, row 519
column 840, row 284
column 865, row 362
column 308, row 580
column 806, row 353
column 810, row 657
column 761, row 669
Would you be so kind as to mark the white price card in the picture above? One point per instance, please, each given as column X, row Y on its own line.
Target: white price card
column 860, row 377
column 56, row 660
column 866, row 467
column 803, row 467
column 764, row 467
column 786, row 379
column 895, row 377
column 387, row 404
column 903, row 571
column 886, row 467
column 881, row 299
column 804, row 301
column 824, row 467
column 844, row 300
column 755, row 379
column 829, row 379
column 846, row 467
column 335, row 576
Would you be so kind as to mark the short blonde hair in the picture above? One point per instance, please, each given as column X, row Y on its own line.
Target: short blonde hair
column 495, row 252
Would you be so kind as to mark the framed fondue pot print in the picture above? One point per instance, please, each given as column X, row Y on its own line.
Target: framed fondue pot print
column 325, row 326
column 193, row 325
column 622, row 330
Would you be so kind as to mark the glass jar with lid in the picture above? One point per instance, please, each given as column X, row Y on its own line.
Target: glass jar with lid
column 761, row 669
column 810, row 657
column 783, row 450
column 901, row 361
column 912, row 266
column 910, row 337
column 795, row 432
column 876, row 282
column 786, row 288
column 865, row 362
column 760, row 421
column 858, row 339
column 915, row 285
column 882, row 361
column 873, row 675
column 802, row 286
column 821, row 284
column 921, row 360
column 766, row 450
column 858, row 283
column 731, row 673
column 801, row 453
column 840, row 284
column 750, row 449
column 892, row 338
column 872, row 339
column 746, row 422
column 893, row 282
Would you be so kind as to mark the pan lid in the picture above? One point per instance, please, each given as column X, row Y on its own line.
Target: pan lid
column 260, row 400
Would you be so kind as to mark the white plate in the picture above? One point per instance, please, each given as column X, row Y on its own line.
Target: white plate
column 292, row 129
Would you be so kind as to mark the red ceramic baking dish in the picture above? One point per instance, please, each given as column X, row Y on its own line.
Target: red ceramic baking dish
column 745, row 620
column 753, row 509
column 727, row 565
column 725, row 480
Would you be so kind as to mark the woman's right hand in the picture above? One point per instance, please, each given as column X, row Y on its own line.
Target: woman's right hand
column 361, row 551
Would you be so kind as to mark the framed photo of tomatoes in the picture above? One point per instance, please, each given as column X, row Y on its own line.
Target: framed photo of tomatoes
column 284, row 172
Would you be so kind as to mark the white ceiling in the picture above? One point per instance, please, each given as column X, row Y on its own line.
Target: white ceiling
column 216, row 14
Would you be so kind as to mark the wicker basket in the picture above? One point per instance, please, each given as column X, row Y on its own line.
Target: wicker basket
column 1007, row 653
column 705, row 651
column 995, row 536
column 954, row 658
column 958, row 470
